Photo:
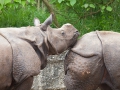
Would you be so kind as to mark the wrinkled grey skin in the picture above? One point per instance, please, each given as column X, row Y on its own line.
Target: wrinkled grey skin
column 24, row 51
column 94, row 62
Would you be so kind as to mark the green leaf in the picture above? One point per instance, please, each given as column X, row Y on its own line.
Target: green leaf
column 59, row 1
column 118, row 0
column 102, row 10
column 85, row 5
column 9, row 5
column 23, row 3
column 103, row 7
column 28, row 1
column 16, row 5
column 19, row 1
column 72, row 2
column 1, row 6
column 88, row 9
column 32, row 2
column 108, row 8
column 68, row 4
column 7, row 1
column 92, row 5
column 2, row 2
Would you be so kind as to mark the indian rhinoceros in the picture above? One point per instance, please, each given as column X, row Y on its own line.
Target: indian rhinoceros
column 24, row 51
column 94, row 61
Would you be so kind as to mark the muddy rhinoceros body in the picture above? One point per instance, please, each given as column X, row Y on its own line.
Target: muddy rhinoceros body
column 94, row 62
column 24, row 51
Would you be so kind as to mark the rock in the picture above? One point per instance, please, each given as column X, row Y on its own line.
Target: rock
column 52, row 77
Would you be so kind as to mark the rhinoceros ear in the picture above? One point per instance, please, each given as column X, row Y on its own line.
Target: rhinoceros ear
column 36, row 22
column 47, row 22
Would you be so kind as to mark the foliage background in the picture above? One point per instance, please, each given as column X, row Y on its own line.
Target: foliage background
column 85, row 15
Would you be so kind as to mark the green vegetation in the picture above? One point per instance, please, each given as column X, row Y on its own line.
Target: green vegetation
column 12, row 17
column 85, row 15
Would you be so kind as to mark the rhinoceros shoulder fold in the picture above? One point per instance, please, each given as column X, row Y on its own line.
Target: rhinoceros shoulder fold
column 87, row 45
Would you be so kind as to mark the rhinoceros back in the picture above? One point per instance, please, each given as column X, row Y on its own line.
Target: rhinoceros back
column 111, row 54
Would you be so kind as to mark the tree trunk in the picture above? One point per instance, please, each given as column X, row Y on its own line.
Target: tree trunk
column 38, row 4
column 51, row 10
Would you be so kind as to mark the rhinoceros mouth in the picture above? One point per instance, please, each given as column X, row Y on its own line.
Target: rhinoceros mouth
column 74, row 39
column 76, row 34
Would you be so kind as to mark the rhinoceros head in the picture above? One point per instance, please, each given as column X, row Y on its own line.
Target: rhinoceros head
column 59, row 39
column 62, row 38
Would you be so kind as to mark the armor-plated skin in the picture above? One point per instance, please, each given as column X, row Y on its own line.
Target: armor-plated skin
column 94, row 62
column 24, row 51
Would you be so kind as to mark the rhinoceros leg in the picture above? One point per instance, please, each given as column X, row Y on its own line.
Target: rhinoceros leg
column 104, row 87
column 106, row 83
column 25, row 85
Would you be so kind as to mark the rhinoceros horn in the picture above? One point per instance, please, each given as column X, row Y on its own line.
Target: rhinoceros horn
column 47, row 22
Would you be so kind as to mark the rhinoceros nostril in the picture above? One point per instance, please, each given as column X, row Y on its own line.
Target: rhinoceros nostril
column 77, row 32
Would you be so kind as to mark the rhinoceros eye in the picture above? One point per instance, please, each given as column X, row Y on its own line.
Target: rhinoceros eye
column 62, row 32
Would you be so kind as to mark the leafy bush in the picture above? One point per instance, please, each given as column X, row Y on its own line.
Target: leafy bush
column 17, row 17
column 85, row 15
column 90, row 15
